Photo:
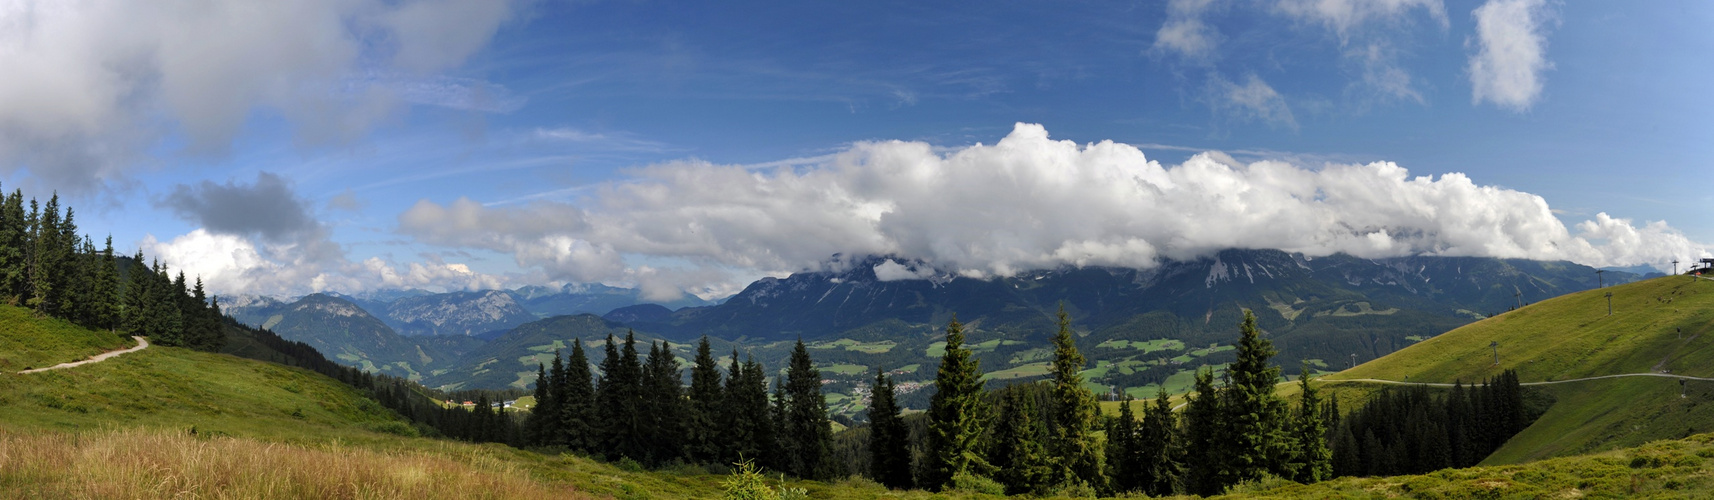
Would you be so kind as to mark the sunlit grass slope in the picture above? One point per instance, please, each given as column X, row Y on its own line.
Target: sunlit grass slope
column 30, row 342
column 1659, row 325
column 1665, row 469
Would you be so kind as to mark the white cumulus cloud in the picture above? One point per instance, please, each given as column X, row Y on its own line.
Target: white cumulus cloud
column 1511, row 53
column 1027, row 202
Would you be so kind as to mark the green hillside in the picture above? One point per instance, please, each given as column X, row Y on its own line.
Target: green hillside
column 1665, row 469
column 30, row 342
column 1663, row 325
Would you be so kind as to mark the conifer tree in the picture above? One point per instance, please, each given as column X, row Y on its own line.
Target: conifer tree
column 889, row 438
column 1157, row 448
column 702, row 418
column 750, row 431
column 1123, row 450
column 1204, row 437
column 536, row 427
column 778, row 453
column 808, row 435
column 1258, row 441
column 1019, row 460
column 105, row 295
column 1075, row 450
column 575, row 398
column 619, row 403
column 1315, row 460
column 14, row 278
column 135, row 316
column 957, row 413
column 45, row 254
column 663, row 405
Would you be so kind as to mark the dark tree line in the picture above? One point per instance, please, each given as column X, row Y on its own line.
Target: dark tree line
column 1414, row 430
column 1044, row 438
column 639, row 409
column 46, row 266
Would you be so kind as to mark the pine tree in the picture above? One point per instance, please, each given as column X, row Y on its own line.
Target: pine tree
column 1258, row 441
column 1204, row 436
column 14, row 277
column 135, row 317
column 44, row 273
column 619, row 403
column 750, row 434
column 777, row 452
column 702, row 418
column 1075, row 450
column 957, row 413
column 663, row 405
column 1315, row 460
column 536, row 428
column 889, row 438
column 1019, row 460
column 1157, row 448
column 808, row 434
column 1125, row 469
column 575, row 397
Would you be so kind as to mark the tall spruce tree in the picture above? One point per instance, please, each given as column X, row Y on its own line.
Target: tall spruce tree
column 702, row 417
column 138, row 291
column 619, row 403
column 575, row 396
column 778, row 453
column 1074, row 447
column 663, row 405
column 1204, row 438
column 1123, row 450
column 45, row 254
column 536, row 428
column 808, row 436
column 14, row 232
column 1314, row 459
column 745, row 415
column 1157, row 450
column 1258, row 440
column 889, row 438
column 1018, row 457
column 957, row 413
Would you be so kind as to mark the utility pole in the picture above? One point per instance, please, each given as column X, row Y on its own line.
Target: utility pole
column 1609, row 303
column 1353, row 360
column 1519, row 296
column 1599, row 282
column 1674, row 266
column 1496, row 346
column 1681, row 388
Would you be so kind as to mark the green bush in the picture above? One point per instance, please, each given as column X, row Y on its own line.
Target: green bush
column 965, row 481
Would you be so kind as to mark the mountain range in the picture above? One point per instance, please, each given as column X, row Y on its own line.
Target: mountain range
column 1142, row 329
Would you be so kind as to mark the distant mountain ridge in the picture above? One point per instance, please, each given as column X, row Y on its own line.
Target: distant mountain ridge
column 1139, row 328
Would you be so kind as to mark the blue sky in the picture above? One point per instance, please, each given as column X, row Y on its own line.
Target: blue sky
column 445, row 144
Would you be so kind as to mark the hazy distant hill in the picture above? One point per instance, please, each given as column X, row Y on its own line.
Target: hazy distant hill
column 348, row 334
column 1141, row 329
column 456, row 313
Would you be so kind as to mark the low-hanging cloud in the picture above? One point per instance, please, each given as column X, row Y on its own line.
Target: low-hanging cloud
column 1029, row 202
column 91, row 86
column 1511, row 53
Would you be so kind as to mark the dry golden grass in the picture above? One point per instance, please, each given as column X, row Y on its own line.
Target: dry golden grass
column 157, row 464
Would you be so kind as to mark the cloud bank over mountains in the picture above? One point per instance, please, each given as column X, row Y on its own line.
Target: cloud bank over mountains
column 1027, row 202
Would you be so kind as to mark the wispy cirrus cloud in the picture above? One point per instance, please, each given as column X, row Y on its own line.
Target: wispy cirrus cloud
column 1511, row 53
